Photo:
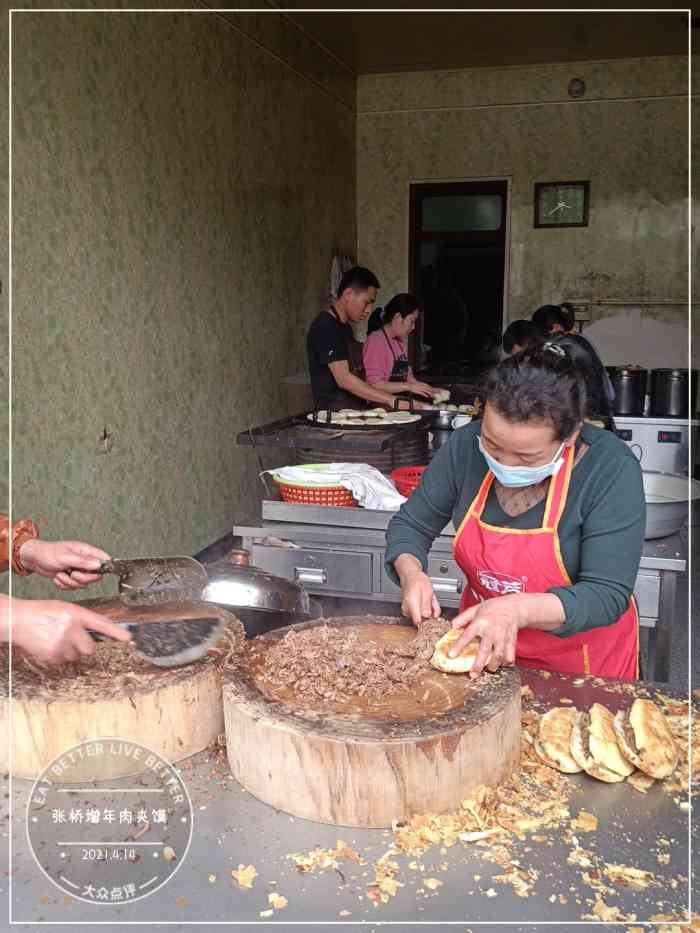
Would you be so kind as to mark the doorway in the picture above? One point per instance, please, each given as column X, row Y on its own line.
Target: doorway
column 457, row 257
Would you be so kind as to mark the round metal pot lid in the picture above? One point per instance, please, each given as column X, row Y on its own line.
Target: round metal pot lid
column 241, row 587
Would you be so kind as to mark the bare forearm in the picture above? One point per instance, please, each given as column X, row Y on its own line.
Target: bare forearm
column 351, row 383
column 391, row 387
column 407, row 566
column 543, row 611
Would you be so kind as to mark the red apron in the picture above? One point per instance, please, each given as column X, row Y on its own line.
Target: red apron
column 498, row 560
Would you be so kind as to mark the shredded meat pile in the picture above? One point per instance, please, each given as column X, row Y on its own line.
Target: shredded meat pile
column 112, row 670
column 326, row 664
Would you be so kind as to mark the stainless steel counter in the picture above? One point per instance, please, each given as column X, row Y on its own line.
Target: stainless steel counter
column 232, row 828
column 340, row 552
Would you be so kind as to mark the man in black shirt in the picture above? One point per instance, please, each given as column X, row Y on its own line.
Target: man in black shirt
column 335, row 357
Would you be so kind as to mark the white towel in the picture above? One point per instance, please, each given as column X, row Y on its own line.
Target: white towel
column 371, row 488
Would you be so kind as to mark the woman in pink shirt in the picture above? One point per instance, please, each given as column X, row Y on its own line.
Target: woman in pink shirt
column 384, row 354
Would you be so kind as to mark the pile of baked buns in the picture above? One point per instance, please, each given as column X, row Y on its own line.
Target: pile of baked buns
column 609, row 747
column 606, row 746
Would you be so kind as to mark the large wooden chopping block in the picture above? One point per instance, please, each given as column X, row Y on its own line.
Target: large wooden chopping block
column 175, row 711
column 362, row 765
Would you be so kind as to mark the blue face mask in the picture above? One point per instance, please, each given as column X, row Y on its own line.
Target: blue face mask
column 522, row 475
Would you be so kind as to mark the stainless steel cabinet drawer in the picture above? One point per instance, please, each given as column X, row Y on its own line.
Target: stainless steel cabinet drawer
column 318, row 569
column 445, row 575
column 647, row 592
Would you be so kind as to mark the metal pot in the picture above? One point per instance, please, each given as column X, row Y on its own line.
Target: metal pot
column 237, row 585
column 667, row 496
column 440, row 419
column 669, row 392
column 629, row 383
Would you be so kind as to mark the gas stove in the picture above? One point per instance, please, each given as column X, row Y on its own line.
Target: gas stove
column 660, row 443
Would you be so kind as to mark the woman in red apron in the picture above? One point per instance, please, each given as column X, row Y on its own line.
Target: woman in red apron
column 531, row 450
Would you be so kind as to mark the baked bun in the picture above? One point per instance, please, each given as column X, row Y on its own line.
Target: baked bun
column 645, row 739
column 594, row 746
column 463, row 662
column 553, row 742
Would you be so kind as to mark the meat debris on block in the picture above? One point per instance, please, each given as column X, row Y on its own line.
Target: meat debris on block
column 334, row 664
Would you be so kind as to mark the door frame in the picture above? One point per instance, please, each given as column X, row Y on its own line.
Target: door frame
column 408, row 222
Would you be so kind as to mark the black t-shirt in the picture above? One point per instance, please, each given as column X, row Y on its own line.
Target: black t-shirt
column 326, row 342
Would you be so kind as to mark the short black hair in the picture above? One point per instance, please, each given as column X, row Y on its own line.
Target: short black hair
column 358, row 279
column 404, row 304
column 549, row 315
column 524, row 334
column 542, row 384
column 567, row 309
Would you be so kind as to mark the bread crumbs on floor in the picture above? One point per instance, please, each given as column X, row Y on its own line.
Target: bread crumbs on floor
column 277, row 901
column 266, row 913
column 585, row 822
column 244, row 875
column 212, row 878
column 432, row 883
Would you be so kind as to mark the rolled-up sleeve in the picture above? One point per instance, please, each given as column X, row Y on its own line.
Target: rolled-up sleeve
column 612, row 537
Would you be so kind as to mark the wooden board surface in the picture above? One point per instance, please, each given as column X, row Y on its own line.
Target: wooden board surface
column 364, row 763
column 174, row 711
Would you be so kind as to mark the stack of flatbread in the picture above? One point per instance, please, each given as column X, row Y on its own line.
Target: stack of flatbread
column 374, row 417
column 609, row 748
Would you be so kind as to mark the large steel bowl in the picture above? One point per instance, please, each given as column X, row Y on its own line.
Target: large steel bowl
column 668, row 496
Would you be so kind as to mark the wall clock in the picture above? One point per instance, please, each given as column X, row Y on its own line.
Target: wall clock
column 561, row 203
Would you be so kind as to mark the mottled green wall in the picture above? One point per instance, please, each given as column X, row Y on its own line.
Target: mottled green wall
column 628, row 136
column 180, row 183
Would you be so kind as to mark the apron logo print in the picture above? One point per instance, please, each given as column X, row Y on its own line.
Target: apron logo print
column 500, row 583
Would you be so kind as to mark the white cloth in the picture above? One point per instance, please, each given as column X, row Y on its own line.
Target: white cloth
column 371, row 488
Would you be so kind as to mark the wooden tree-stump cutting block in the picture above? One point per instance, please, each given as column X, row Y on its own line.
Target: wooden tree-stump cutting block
column 174, row 711
column 362, row 763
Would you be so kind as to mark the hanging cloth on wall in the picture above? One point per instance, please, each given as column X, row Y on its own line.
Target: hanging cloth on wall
column 340, row 263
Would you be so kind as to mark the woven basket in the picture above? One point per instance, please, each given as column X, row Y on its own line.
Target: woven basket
column 406, row 479
column 317, row 495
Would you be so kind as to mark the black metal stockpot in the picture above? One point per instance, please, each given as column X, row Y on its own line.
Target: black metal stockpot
column 669, row 392
column 630, row 383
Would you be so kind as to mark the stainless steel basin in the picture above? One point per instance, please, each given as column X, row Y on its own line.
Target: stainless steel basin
column 668, row 497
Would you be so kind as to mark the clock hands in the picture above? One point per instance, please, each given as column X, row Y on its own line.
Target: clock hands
column 561, row 206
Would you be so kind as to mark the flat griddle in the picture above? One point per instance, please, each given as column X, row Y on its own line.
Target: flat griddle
column 373, row 424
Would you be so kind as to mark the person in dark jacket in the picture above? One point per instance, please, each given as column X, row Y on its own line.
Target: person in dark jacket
column 523, row 335
column 601, row 394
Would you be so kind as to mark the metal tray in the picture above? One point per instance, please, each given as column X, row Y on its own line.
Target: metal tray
column 373, row 424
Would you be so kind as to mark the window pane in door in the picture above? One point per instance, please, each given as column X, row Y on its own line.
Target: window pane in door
column 462, row 212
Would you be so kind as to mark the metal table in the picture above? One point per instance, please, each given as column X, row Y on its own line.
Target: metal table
column 297, row 431
column 342, row 555
column 231, row 828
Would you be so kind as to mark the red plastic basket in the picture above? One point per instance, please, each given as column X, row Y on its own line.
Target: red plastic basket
column 317, row 495
column 406, row 479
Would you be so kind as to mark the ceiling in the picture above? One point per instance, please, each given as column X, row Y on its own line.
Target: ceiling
column 371, row 43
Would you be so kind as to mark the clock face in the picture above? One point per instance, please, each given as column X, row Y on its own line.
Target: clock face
column 561, row 204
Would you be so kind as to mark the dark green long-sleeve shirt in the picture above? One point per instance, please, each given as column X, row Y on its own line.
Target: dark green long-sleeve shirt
column 601, row 531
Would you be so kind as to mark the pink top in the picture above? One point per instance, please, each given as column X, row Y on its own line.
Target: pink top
column 379, row 354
